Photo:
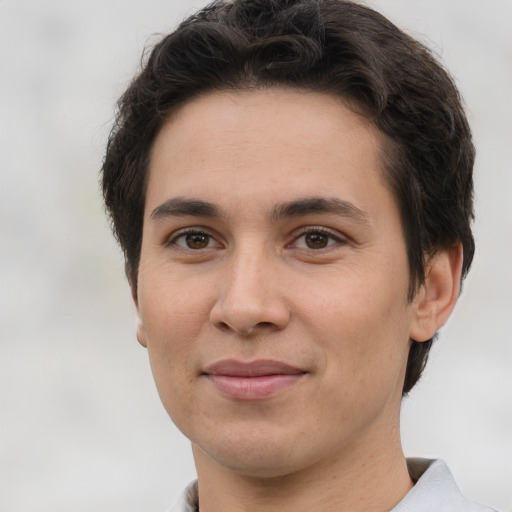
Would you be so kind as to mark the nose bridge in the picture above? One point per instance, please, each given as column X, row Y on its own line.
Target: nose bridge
column 249, row 296
column 250, row 263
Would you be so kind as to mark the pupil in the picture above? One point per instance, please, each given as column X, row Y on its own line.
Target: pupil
column 316, row 240
column 197, row 240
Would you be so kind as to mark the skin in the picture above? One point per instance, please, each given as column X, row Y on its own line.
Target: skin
column 322, row 291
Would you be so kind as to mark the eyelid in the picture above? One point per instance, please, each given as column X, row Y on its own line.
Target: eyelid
column 335, row 235
column 190, row 230
column 304, row 230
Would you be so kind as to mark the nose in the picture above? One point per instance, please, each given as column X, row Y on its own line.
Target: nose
column 250, row 300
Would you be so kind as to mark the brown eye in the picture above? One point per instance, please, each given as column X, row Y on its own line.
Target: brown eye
column 193, row 240
column 197, row 240
column 316, row 240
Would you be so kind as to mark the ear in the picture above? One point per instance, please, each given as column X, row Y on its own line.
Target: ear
column 141, row 333
column 436, row 298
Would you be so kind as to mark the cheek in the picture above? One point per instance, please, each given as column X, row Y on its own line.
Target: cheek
column 172, row 309
column 364, row 347
column 361, row 324
column 172, row 322
column 171, row 349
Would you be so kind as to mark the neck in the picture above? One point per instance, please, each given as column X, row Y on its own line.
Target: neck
column 358, row 480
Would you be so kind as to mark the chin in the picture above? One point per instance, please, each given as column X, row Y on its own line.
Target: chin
column 258, row 452
column 252, row 452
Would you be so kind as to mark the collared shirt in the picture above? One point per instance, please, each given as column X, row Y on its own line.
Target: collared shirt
column 435, row 490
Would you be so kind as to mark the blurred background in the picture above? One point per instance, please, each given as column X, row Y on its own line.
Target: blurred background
column 81, row 425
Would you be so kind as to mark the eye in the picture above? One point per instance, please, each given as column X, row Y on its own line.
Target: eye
column 195, row 240
column 316, row 239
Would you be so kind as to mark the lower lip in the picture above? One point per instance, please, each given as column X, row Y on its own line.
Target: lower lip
column 253, row 388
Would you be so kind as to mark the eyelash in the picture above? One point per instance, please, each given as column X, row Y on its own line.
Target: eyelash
column 186, row 232
column 313, row 230
column 333, row 239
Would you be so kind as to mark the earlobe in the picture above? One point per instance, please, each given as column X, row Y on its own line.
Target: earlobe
column 436, row 298
column 141, row 334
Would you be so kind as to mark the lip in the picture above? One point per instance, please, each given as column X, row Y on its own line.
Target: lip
column 254, row 380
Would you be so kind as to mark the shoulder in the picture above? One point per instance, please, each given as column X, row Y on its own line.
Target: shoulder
column 435, row 490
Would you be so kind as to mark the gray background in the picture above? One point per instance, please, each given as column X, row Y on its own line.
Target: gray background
column 81, row 426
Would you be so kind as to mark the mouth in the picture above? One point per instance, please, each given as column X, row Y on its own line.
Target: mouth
column 254, row 380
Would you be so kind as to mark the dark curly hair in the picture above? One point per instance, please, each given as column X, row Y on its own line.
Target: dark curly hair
column 334, row 46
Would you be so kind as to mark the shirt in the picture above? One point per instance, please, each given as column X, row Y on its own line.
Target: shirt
column 435, row 490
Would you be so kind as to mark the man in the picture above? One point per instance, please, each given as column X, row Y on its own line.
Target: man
column 291, row 183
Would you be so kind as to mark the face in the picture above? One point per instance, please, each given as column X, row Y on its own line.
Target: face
column 272, row 291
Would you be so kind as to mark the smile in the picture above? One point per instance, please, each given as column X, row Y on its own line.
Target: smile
column 252, row 381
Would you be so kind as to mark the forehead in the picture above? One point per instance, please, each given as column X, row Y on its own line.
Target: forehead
column 264, row 146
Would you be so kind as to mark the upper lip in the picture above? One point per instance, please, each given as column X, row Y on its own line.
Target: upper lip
column 260, row 368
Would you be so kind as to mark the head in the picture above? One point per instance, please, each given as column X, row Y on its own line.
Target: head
column 333, row 47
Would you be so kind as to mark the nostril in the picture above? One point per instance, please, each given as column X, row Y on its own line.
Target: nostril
column 264, row 324
column 225, row 327
column 249, row 317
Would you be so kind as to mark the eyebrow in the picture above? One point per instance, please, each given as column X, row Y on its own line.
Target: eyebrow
column 309, row 205
column 181, row 207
